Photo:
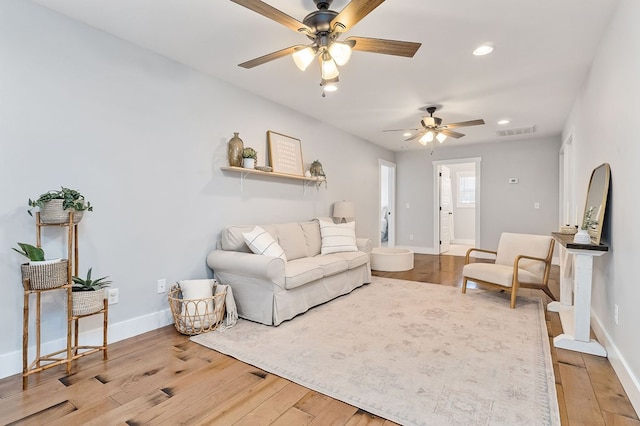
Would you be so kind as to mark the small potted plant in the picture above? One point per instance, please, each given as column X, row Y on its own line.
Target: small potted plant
column 39, row 273
column 249, row 158
column 55, row 205
column 88, row 294
column 583, row 236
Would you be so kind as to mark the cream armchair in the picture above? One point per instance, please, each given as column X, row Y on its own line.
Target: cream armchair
column 522, row 260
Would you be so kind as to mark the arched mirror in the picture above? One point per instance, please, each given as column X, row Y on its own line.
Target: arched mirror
column 594, row 208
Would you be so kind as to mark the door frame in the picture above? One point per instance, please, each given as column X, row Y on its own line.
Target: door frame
column 436, row 198
column 391, row 226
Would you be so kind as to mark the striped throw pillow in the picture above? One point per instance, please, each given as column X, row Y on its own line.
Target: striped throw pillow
column 261, row 242
column 337, row 237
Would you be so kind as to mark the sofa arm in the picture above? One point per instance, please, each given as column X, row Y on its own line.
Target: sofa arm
column 364, row 244
column 248, row 264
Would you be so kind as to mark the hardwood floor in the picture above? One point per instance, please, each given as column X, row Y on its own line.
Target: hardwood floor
column 161, row 377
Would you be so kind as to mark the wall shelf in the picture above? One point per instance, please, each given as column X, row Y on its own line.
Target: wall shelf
column 246, row 172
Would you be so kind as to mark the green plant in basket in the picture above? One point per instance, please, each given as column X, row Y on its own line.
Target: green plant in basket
column 33, row 253
column 89, row 284
column 72, row 199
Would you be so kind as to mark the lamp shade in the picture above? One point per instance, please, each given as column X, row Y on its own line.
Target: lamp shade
column 344, row 209
column 340, row 52
column 303, row 58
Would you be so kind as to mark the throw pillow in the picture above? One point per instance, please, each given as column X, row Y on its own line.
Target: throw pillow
column 337, row 237
column 261, row 242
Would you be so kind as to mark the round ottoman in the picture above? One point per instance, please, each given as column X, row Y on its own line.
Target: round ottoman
column 389, row 259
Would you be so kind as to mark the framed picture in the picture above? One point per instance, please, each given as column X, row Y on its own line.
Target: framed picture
column 285, row 153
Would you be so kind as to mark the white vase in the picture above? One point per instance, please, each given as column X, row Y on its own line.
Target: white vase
column 582, row 237
column 249, row 163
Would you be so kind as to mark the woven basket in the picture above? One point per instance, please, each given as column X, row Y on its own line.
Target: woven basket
column 87, row 302
column 52, row 212
column 45, row 276
column 195, row 316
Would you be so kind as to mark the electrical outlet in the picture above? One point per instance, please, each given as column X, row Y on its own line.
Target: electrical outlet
column 616, row 312
column 536, row 205
column 113, row 295
column 410, row 237
column 162, row 285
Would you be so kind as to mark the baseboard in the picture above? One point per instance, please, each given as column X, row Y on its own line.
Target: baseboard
column 11, row 363
column 464, row 242
column 629, row 381
column 419, row 250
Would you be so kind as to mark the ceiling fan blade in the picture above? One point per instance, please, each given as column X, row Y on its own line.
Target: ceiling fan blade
column 270, row 57
column 451, row 133
column 353, row 13
column 401, row 130
column 272, row 13
column 464, row 124
column 417, row 135
column 387, row 47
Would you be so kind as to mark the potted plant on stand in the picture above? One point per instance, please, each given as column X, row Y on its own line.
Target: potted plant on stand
column 249, row 158
column 41, row 274
column 88, row 294
column 55, row 205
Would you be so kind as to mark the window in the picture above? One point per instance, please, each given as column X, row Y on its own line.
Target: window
column 466, row 189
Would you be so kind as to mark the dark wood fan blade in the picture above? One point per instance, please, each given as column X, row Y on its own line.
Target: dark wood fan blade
column 272, row 13
column 452, row 133
column 401, row 130
column 353, row 13
column 270, row 57
column 387, row 47
column 416, row 136
column 464, row 124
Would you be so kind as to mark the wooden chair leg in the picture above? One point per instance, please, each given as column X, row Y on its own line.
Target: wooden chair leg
column 547, row 291
column 514, row 295
column 464, row 285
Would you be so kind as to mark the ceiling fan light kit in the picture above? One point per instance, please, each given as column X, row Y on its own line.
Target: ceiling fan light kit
column 432, row 128
column 323, row 27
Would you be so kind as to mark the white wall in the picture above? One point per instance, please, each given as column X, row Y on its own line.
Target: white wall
column 504, row 207
column 143, row 138
column 612, row 95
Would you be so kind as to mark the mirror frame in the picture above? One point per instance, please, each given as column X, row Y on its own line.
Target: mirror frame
column 597, row 191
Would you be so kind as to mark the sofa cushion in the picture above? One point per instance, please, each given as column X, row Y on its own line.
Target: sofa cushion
column 338, row 237
column 261, row 242
column 330, row 264
column 312, row 237
column 299, row 272
column 291, row 239
column 354, row 259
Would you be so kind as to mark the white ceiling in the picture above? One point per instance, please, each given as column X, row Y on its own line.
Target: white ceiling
column 543, row 50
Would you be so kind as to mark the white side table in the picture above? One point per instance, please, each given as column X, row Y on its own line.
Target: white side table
column 575, row 312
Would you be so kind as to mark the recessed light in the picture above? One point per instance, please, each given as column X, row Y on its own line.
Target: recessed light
column 483, row 49
column 503, row 122
column 406, row 134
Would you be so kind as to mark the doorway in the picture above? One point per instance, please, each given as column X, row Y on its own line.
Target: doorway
column 456, row 205
column 387, row 190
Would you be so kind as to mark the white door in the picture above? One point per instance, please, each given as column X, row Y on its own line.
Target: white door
column 387, row 203
column 446, row 209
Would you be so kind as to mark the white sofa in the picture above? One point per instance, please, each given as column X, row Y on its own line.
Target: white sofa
column 271, row 290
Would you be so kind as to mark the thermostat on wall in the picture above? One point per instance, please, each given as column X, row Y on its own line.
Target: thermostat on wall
column 513, row 180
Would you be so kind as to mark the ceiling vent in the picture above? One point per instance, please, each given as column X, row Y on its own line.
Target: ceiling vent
column 517, row 131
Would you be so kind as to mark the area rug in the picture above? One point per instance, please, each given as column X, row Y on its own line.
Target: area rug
column 413, row 353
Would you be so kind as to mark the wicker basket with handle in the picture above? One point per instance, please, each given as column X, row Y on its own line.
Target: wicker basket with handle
column 195, row 316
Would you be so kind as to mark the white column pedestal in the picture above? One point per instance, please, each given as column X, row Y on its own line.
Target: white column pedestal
column 575, row 315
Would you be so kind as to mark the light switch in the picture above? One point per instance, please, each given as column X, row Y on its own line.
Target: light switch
column 536, row 205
